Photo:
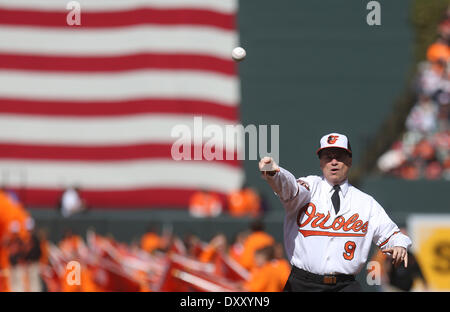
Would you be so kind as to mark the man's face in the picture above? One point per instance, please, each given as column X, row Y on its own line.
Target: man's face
column 335, row 164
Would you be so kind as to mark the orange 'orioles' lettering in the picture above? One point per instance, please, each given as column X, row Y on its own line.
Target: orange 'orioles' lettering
column 353, row 226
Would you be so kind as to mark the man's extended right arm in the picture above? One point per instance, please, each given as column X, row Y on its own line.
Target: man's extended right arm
column 284, row 184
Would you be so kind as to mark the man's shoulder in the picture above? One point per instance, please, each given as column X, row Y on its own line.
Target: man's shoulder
column 309, row 182
column 361, row 195
column 311, row 178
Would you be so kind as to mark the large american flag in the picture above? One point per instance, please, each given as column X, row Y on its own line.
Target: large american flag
column 94, row 105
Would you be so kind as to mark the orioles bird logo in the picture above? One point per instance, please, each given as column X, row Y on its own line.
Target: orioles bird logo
column 332, row 139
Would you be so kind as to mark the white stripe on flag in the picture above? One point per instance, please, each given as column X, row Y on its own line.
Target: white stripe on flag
column 118, row 41
column 121, row 86
column 146, row 128
column 123, row 175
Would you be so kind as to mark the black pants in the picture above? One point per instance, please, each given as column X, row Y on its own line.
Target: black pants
column 300, row 280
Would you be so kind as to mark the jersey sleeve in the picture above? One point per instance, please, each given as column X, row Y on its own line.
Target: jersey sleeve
column 292, row 192
column 386, row 232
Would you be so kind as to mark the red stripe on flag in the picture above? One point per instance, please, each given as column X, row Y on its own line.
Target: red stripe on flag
column 117, row 63
column 99, row 153
column 172, row 17
column 118, row 108
column 139, row 198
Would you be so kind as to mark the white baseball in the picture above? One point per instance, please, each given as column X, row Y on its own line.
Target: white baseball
column 238, row 54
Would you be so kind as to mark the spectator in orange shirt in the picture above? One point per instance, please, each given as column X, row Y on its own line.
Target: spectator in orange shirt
column 217, row 244
column 4, row 234
column 13, row 234
column 256, row 240
column 438, row 54
column 87, row 283
column 243, row 202
column 282, row 265
column 141, row 277
column 409, row 172
column 424, row 150
column 265, row 277
column 15, row 213
column 70, row 244
column 205, row 204
column 151, row 241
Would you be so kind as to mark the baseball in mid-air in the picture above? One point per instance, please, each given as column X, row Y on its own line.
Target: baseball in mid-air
column 238, row 54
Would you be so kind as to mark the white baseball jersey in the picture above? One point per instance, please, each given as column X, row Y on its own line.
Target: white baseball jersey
column 322, row 242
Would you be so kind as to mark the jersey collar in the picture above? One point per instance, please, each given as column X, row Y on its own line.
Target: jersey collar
column 329, row 187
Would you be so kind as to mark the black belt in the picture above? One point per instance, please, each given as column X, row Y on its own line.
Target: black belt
column 323, row 279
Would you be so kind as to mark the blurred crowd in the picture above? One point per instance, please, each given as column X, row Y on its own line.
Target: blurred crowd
column 423, row 152
column 252, row 261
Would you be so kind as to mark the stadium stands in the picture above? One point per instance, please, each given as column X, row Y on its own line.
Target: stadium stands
column 423, row 152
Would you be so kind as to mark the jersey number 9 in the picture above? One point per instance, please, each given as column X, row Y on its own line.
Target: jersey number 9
column 349, row 250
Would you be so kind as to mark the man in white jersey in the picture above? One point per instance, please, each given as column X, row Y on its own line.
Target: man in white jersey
column 329, row 224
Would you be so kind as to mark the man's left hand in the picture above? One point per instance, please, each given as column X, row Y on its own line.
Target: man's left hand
column 399, row 254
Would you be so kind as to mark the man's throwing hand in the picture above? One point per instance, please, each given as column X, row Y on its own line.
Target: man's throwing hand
column 268, row 166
